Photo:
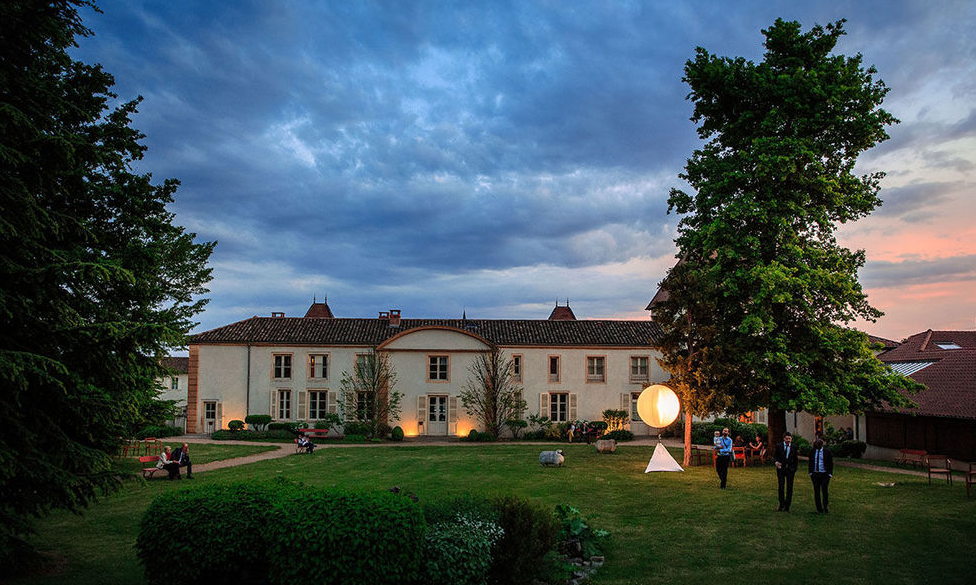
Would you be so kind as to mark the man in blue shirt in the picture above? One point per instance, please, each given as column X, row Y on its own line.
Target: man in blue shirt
column 723, row 448
column 821, row 466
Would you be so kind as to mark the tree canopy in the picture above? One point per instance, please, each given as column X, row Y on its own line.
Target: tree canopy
column 97, row 283
column 770, row 293
column 368, row 394
column 491, row 394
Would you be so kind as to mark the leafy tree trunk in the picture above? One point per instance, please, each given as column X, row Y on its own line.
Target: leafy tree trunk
column 777, row 426
column 686, row 461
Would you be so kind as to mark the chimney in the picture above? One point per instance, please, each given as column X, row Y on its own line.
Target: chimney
column 394, row 317
column 277, row 314
column 385, row 315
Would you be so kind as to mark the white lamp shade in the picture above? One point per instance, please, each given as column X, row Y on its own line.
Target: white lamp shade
column 658, row 406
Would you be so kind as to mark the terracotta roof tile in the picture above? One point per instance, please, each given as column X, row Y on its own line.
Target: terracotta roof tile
column 372, row 332
column 951, row 378
column 178, row 364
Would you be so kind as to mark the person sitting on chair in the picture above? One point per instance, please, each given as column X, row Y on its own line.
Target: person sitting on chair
column 182, row 456
column 758, row 448
column 166, row 462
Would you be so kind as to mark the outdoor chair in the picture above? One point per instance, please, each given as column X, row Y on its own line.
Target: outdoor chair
column 939, row 465
column 970, row 477
column 738, row 456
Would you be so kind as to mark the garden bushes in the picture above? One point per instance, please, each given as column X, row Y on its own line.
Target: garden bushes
column 289, row 533
column 216, row 532
column 346, row 537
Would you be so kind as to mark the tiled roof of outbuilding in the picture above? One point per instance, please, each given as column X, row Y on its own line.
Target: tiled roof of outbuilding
column 178, row 364
column 950, row 380
column 372, row 332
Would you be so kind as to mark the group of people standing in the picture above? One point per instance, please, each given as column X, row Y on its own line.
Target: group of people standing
column 786, row 458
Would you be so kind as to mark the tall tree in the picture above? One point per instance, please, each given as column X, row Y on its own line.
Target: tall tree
column 772, row 182
column 491, row 394
column 96, row 282
column 367, row 394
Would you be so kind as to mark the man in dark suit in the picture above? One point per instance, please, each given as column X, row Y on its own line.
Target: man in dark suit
column 182, row 456
column 821, row 465
column 787, row 462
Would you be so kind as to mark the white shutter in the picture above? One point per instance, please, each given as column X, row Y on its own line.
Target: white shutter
column 422, row 414
column 350, row 402
column 625, row 402
column 544, row 404
column 572, row 406
column 452, row 413
column 273, row 407
column 333, row 403
column 302, row 405
column 220, row 416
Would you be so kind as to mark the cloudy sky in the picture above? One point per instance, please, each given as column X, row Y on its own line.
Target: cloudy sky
column 492, row 157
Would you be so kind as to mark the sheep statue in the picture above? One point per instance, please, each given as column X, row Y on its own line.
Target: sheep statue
column 551, row 458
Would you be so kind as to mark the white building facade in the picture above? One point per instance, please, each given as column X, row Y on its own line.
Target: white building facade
column 291, row 368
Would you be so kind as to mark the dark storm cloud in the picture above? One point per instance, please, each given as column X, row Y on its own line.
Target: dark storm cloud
column 441, row 153
column 919, row 270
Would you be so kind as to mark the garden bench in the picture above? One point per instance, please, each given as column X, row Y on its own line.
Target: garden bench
column 147, row 472
column 915, row 457
column 315, row 433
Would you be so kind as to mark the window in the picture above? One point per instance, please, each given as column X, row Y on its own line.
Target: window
column 282, row 365
column 596, row 368
column 517, row 367
column 634, row 416
column 318, row 366
column 558, row 407
column 638, row 368
column 318, row 403
column 284, row 405
column 174, row 383
column 554, row 368
column 365, row 406
column 437, row 370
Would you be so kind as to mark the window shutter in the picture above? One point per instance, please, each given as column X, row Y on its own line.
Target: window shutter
column 333, row 403
column 273, row 407
column 220, row 416
column 302, row 405
column 350, row 402
column 421, row 413
column 544, row 404
column 572, row 406
column 625, row 402
column 452, row 413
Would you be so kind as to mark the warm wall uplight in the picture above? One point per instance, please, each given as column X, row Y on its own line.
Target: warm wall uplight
column 658, row 406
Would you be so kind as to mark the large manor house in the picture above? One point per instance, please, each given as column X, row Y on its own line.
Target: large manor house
column 292, row 367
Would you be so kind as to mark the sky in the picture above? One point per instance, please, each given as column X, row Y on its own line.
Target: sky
column 491, row 158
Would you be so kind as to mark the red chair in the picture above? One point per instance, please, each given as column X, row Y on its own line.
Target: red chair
column 738, row 456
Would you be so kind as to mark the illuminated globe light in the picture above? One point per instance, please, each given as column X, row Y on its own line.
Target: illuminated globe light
column 658, row 406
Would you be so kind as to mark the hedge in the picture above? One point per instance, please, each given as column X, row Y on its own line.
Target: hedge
column 346, row 537
column 215, row 531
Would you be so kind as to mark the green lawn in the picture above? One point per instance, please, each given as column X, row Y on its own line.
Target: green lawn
column 200, row 453
column 666, row 527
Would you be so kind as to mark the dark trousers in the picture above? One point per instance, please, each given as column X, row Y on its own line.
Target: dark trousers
column 820, row 483
column 189, row 466
column 722, row 467
column 784, row 477
column 173, row 468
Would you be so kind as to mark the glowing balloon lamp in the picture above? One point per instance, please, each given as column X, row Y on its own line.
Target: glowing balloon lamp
column 658, row 406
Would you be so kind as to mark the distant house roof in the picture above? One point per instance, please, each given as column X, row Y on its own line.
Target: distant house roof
column 945, row 362
column 887, row 343
column 372, row 332
column 180, row 365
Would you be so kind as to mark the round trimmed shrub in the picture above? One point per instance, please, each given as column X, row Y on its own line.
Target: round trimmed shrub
column 620, row 435
column 396, row 434
column 217, row 532
column 235, row 425
column 346, row 537
column 258, row 420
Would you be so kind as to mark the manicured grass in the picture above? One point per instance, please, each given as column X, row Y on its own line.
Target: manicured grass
column 666, row 527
